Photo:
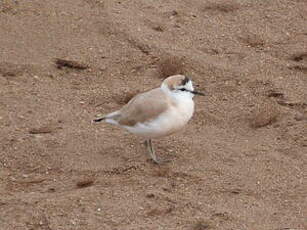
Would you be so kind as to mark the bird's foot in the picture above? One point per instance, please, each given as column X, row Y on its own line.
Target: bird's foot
column 159, row 161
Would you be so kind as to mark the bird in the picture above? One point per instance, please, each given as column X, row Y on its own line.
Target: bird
column 158, row 112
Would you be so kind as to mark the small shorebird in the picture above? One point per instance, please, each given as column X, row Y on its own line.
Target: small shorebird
column 158, row 112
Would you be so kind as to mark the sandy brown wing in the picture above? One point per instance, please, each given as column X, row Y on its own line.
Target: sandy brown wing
column 144, row 107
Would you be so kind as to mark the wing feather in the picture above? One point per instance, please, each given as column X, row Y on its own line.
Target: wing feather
column 144, row 107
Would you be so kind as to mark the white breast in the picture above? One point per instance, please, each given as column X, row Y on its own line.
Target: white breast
column 168, row 122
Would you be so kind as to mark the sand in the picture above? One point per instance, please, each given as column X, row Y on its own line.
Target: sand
column 239, row 164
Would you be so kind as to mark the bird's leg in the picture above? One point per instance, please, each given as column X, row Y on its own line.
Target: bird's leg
column 151, row 151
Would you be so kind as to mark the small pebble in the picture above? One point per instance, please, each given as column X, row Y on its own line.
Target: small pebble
column 299, row 117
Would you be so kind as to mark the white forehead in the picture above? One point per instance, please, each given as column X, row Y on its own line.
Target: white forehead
column 189, row 85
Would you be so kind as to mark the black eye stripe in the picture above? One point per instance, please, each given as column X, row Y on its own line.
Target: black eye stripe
column 182, row 89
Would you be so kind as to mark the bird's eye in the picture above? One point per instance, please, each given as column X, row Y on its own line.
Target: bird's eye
column 182, row 89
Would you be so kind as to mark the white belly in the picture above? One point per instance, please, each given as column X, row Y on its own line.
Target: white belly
column 167, row 123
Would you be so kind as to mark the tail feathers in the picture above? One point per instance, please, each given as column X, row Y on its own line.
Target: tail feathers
column 110, row 118
column 99, row 119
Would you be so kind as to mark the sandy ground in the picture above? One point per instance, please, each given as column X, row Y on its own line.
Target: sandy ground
column 239, row 164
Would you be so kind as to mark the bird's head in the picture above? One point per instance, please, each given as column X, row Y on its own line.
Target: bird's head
column 180, row 85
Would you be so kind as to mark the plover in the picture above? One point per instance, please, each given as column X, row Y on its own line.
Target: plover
column 158, row 112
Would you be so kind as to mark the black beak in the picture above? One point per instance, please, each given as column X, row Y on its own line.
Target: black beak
column 198, row 93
